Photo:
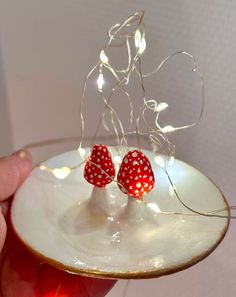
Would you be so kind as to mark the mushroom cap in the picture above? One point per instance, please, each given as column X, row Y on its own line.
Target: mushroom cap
column 99, row 168
column 135, row 176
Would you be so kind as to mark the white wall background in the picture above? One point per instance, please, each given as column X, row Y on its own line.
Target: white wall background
column 47, row 47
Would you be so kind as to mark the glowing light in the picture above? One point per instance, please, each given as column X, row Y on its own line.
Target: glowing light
column 171, row 161
column 140, row 42
column 42, row 167
column 137, row 38
column 82, row 152
column 167, row 129
column 118, row 159
column 100, row 82
column 61, row 173
column 154, row 207
column 103, row 57
column 161, row 106
column 143, row 45
column 110, row 219
column 159, row 161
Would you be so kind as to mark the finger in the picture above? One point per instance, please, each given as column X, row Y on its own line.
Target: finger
column 5, row 207
column 13, row 171
column 3, row 230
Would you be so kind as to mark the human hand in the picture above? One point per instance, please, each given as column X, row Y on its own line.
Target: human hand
column 21, row 274
column 13, row 171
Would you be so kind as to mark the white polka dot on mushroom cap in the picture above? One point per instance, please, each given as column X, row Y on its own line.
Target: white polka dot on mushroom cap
column 134, row 154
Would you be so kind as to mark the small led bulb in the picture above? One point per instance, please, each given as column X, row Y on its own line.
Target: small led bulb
column 171, row 161
column 159, row 161
column 161, row 106
column 82, row 152
column 61, row 173
column 167, row 129
column 100, row 82
column 154, row 207
column 117, row 159
column 140, row 42
column 103, row 57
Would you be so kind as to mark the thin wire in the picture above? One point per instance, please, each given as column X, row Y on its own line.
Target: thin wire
column 126, row 288
column 131, row 34
column 157, row 135
column 114, row 33
column 206, row 214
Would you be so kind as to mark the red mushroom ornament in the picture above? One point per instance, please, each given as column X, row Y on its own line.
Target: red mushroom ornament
column 135, row 177
column 99, row 169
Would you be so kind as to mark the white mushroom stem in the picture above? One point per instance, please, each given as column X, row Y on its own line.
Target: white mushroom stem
column 106, row 201
column 134, row 209
column 98, row 197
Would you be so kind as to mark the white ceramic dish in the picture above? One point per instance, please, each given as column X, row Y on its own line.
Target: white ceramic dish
column 99, row 235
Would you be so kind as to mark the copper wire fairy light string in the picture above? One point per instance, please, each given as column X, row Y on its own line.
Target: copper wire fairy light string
column 156, row 134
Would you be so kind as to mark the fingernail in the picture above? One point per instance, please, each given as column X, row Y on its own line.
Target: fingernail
column 21, row 153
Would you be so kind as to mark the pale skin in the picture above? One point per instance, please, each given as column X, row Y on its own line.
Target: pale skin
column 14, row 170
column 20, row 271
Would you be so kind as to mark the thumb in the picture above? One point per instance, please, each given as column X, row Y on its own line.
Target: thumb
column 13, row 171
